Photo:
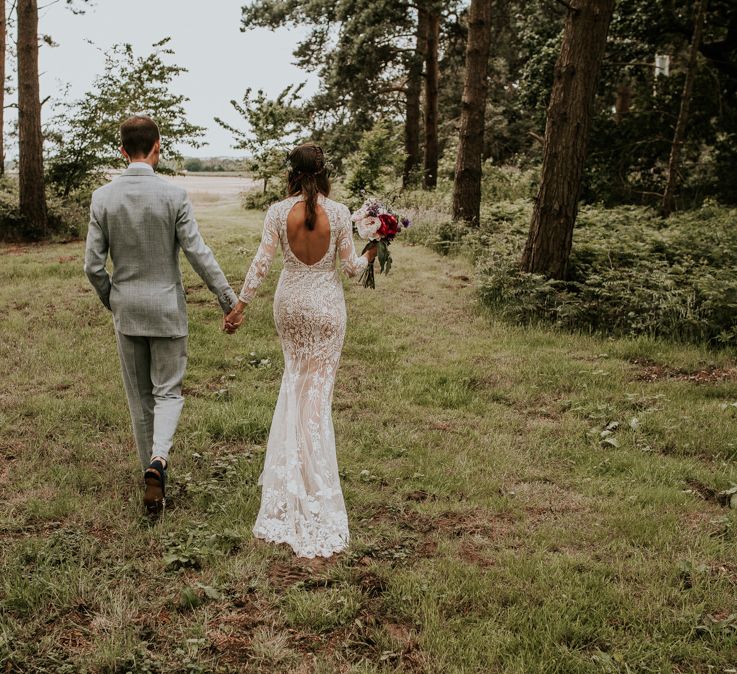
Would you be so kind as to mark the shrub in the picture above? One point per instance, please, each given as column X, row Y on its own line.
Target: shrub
column 631, row 272
column 374, row 164
column 259, row 199
column 67, row 217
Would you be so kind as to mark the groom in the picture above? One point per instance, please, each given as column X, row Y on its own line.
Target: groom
column 142, row 221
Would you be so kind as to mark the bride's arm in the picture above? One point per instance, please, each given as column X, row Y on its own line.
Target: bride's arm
column 259, row 267
column 350, row 263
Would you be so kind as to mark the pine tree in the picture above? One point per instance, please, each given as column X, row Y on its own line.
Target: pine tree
column 467, row 184
column 569, row 116
column 30, row 151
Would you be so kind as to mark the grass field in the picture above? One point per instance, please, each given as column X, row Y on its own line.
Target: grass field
column 520, row 500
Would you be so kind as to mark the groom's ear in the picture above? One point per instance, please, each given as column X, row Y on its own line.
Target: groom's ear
column 124, row 153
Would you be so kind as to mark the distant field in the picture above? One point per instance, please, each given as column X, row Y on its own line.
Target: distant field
column 219, row 174
column 210, row 188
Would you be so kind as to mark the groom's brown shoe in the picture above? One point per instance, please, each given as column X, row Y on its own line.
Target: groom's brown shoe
column 154, row 478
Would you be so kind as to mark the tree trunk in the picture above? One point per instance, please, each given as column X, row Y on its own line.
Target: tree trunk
column 3, row 49
column 414, row 91
column 30, row 150
column 679, row 135
column 567, row 127
column 467, row 186
column 432, row 75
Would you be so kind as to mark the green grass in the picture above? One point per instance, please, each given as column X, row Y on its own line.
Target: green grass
column 520, row 499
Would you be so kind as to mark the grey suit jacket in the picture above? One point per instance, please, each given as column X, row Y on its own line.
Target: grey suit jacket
column 142, row 221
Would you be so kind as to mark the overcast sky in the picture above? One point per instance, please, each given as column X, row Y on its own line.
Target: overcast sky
column 206, row 37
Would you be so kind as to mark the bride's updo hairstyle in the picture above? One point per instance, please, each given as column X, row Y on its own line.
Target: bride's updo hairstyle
column 308, row 175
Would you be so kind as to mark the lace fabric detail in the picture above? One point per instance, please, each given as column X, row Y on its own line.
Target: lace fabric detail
column 301, row 500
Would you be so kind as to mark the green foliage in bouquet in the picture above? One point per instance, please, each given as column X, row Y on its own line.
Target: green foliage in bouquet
column 368, row 277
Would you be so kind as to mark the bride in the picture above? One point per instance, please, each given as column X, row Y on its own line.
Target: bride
column 301, row 500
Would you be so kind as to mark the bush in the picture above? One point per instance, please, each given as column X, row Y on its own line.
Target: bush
column 631, row 272
column 67, row 217
column 260, row 200
column 374, row 164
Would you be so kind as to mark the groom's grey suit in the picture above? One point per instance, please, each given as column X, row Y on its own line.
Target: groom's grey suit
column 142, row 221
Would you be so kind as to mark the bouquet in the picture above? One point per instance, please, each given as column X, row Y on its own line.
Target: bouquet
column 378, row 225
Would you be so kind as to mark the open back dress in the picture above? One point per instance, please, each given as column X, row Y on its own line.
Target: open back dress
column 301, row 499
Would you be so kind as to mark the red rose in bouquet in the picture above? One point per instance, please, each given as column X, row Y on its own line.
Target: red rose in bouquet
column 389, row 226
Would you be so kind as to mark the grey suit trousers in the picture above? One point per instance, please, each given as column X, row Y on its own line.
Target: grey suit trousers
column 153, row 370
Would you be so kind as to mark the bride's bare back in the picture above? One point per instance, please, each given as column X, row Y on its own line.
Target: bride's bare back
column 309, row 246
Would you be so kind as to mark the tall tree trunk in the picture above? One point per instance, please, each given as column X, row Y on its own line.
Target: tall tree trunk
column 567, row 127
column 432, row 74
column 414, row 91
column 30, row 150
column 467, row 185
column 3, row 49
column 679, row 135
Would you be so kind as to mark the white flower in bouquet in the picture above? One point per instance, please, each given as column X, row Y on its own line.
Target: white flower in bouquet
column 368, row 227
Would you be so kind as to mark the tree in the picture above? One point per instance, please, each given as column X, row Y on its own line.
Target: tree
column 680, row 132
column 467, row 184
column 629, row 152
column 368, row 166
column 274, row 127
column 3, row 51
column 413, row 94
column 85, row 139
column 569, row 117
column 368, row 55
column 30, row 166
column 432, row 76
column 360, row 49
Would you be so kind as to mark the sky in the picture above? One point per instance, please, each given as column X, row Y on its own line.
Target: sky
column 206, row 36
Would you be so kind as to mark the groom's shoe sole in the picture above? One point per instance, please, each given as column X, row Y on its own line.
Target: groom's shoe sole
column 154, row 477
column 153, row 497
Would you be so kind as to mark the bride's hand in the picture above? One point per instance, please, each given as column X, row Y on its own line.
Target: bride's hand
column 234, row 319
column 371, row 252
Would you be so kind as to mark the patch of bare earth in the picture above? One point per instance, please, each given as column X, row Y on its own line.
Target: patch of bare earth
column 231, row 631
column 652, row 372
column 478, row 530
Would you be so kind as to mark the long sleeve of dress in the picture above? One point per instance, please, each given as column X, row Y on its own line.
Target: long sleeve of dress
column 350, row 263
column 264, row 257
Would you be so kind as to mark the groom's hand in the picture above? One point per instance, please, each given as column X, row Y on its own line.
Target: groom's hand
column 234, row 320
column 231, row 325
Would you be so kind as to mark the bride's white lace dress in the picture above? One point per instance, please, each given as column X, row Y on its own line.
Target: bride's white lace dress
column 301, row 500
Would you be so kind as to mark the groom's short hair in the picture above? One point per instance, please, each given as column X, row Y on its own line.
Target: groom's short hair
column 138, row 135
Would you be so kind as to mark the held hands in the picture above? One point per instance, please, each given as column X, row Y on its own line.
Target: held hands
column 234, row 320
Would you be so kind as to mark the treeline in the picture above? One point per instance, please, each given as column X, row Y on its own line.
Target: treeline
column 628, row 102
column 631, row 102
column 210, row 165
column 63, row 159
